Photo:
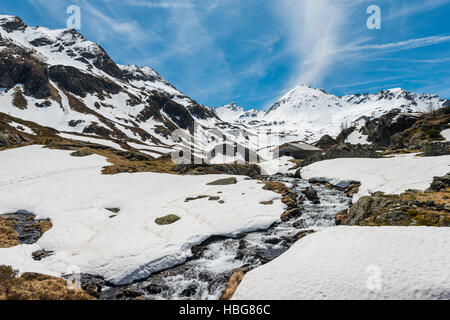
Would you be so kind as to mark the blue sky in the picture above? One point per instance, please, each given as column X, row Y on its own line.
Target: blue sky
column 253, row 51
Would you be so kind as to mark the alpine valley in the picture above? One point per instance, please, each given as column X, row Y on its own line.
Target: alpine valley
column 90, row 190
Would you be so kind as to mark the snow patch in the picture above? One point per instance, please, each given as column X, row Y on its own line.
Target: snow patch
column 391, row 175
column 74, row 194
column 346, row 263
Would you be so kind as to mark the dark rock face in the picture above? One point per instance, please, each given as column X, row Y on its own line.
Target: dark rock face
column 201, row 112
column 250, row 170
column 8, row 138
column 28, row 229
column 139, row 75
column 13, row 24
column 345, row 150
column 426, row 129
column 325, row 142
column 41, row 42
column 74, row 123
column 440, row 183
column 105, row 63
column 133, row 156
column 98, row 130
column 344, row 134
column 26, row 71
column 432, row 149
column 381, row 129
column 80, row 83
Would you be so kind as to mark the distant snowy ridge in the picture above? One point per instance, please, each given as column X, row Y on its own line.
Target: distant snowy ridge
column 311, row 113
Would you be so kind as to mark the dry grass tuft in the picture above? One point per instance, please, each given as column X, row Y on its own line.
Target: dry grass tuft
column 19, row 100
column 33, row 286
column 8, row 236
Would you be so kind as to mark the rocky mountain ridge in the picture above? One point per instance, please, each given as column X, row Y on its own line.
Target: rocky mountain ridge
column 60, row 80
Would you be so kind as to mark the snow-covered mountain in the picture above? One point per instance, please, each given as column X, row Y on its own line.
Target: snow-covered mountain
column 59, row 79
column 234, row 113
column 309, row 113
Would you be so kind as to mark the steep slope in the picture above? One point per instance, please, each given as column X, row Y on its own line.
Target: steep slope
column 58, row 79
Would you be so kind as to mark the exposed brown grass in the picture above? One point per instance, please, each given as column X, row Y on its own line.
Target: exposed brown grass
column 44, row 226
column 441, row 197
column 118, row 164
column 288, row 198
column 19, row 100
column 33, row 286
column 8, row 236
column 277, row 187
column 233, row 283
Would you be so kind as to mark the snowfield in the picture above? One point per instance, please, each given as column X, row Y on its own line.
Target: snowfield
column 85, row 238
column 357, row 263
column 390, row 175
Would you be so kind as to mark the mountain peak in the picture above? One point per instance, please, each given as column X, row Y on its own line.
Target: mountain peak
column 233, row 106
column 12, row 23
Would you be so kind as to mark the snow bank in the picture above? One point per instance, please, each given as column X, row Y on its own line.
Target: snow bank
column 74, row 195
column 281, row 165
column 391, row 175
column 357, row 137
column 446, row 134
column 357, row 263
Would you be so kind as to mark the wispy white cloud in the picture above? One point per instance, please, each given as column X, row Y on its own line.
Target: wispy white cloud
column 155, row 4
column 400, row 45
column 103, row 23
column 317, row 31
column 362, row 83
column 108, row 24
column 323, row 34
column 409, row 8
column 313, row 35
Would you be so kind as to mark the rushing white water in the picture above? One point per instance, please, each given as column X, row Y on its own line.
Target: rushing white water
column 205, row 276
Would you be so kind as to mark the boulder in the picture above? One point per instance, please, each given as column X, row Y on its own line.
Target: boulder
column 440, row 183
column 325, row 142
column 153, row 289
column 223, row 182
column 311, row 195
column 169, row 219
column 432, row 149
